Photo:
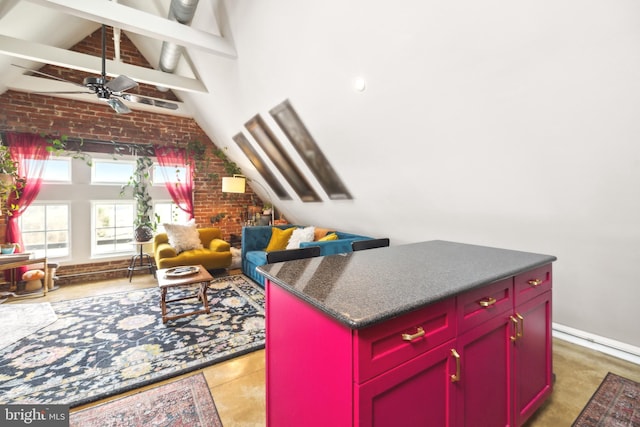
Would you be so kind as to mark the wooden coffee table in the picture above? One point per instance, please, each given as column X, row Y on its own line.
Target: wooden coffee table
column 202, row 277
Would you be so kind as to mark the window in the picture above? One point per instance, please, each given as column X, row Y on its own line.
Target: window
column 113, row 227
column 57, row 170
column 111, row 171
column 162, row 174
column 169, row 212
column 80, row 216
column 45, row 230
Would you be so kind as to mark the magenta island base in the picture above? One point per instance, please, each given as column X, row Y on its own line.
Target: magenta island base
column 427, row 334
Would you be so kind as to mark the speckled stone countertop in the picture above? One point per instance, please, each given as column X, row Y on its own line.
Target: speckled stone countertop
column 360, row 289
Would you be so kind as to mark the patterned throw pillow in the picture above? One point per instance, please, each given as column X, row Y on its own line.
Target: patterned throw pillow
column 183, row 237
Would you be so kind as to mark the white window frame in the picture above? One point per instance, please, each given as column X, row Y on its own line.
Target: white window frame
column 46, row 231
column 124, row 180
column 94, row 243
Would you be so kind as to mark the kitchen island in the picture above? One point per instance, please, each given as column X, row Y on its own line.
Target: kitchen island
column 430, row 333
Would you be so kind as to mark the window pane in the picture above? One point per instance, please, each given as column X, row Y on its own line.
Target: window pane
column 111, row 171
column 113, row 228
column 57, row 170
column 173, row 174
column 170, row 213
column 45, row 230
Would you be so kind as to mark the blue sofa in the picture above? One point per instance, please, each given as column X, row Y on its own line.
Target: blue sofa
column 256, row 239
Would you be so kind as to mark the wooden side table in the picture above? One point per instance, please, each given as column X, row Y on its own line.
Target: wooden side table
column 12, row 262
column 141, row 261
column 202, row 277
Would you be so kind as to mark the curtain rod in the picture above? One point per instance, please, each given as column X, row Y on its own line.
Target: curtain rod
column 74, row 143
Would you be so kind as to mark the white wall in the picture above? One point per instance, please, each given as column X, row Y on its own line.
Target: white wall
column 510, row 124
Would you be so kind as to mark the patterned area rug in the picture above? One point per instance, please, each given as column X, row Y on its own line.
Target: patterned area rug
column 25, row 319
column 615, row 403
column 105, row 345
column 186, row 402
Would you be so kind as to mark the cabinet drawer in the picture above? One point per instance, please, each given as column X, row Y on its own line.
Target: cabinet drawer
column 532, row 283
column 383, row 347
column 482, row 304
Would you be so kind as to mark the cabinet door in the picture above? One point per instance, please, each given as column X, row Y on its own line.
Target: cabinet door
column 416, row 393
column 483, row 389
column 532, row 360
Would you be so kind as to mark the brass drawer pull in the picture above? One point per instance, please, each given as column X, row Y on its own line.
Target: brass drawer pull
column 410, row 337
column 487, row 302
column 515, row 336
column 535, row 282
column 456, row 377
column 519, row 327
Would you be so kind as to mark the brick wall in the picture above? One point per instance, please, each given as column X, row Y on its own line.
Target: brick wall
column 22, row 112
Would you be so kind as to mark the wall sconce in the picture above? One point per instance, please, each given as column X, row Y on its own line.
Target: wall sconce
column 237, row 183
column 233, row 184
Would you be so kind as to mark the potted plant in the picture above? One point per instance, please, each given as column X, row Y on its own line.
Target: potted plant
column 9, row 248
column 9, row 178
column 145, row 223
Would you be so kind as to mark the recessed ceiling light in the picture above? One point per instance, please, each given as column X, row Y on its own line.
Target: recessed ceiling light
column 360, row 84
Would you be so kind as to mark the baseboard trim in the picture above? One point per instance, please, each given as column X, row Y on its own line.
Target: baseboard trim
column 596, row 342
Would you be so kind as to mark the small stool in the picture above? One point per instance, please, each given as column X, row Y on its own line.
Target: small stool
column 141, row 261
column 33, row 279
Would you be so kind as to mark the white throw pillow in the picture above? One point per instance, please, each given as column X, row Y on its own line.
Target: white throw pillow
column 300, row 235
column 183, row 237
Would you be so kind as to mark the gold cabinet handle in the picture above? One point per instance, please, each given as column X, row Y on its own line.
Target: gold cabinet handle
column 456, row 377
column 487, row 302
column 410, row 337
column 515, row 336
column 521, row 333
column 519, row 327
column 535, row 282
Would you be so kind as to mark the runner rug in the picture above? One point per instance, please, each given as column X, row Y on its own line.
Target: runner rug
column 109, row 344
column 185, row 402
column 615, row 403
column 25, row 319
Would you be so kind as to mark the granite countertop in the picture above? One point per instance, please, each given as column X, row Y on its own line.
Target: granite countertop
column 360, row 289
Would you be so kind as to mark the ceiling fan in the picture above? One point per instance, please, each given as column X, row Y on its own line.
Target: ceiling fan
column 110, row 91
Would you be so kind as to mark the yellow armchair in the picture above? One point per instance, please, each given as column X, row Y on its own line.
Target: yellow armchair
column 215, row 254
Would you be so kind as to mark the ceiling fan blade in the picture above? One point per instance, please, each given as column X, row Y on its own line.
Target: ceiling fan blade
column 118, row 106
column 62, row 92
column 47, row 75
column 149, row 101
column 120, row 84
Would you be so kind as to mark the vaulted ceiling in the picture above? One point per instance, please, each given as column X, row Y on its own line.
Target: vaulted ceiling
column 39, row 32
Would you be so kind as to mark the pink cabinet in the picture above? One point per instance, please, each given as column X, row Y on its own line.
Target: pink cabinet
column 532, row 364
column 416, row 393
column 479, row 358
column 482, row 393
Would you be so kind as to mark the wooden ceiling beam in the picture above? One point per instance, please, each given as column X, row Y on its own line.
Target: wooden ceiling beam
column 140, row 22
column 39, row 52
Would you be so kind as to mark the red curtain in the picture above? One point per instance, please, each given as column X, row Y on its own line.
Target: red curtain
column 181, row 192
column 30, row 151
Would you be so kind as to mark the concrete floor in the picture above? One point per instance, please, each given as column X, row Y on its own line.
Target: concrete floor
column 238, row 385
